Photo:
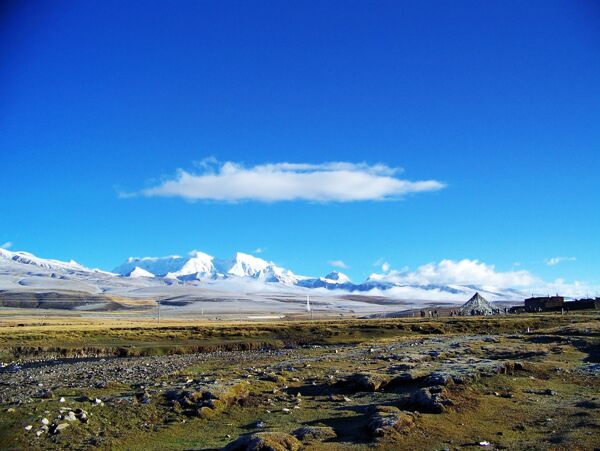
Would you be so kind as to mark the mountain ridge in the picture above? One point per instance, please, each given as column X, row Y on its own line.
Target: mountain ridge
column 200, row 269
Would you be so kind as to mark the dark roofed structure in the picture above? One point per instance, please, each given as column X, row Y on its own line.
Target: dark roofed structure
column 535, row 304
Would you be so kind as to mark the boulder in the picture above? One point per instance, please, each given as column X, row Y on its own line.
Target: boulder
column 265, row 441
column 431, row 399
column 213, row 398
column 439, row 378
column 309, row 434
column 366, row 381
column 408, row 377
column 389, row 420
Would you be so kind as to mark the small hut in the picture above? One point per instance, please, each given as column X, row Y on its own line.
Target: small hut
column 477, row 305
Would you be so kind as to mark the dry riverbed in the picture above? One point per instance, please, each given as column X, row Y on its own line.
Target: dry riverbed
column 418, row 389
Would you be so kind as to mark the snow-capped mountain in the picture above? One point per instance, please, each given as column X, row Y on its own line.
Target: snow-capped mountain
column 201, row 266
column 333, row 281
column 244, row 265
column 137, row 276
column 338, row 277
column 29, row 259
column 139, row 272
column 154, row 265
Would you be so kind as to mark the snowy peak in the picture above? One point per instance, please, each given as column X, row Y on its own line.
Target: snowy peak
column 332, row 281
column 172, row 266
column 337, row 277
column 199, row 263
column 248, row 266
column 29, row 259
column 158, row 266
column 274, row 273
column 245, row 265
column 139, row 272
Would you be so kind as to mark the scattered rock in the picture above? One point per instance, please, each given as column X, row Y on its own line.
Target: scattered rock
column 272, row 377
column 546, row 392
column 57, row 428
column 45, row 394
column 81, row 415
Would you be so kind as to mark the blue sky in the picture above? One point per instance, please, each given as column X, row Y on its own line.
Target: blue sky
column 103, row 102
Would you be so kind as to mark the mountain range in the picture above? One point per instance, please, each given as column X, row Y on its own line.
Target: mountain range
column 164, row 275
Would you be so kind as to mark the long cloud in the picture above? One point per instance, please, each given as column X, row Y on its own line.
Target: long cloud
column 327, row 182
column 556, row 260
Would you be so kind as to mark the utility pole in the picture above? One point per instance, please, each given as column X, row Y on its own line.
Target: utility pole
column 308, row 308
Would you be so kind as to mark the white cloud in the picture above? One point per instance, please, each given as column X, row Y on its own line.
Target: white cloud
column 461, row 272
column 384, row 265
column 326, row 182
column 259, row 250
column 556, row 260
column 576, row 289
column 6, row 245
column 338, row 264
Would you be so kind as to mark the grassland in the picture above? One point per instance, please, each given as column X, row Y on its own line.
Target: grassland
column 76, row 337
column 536, row 390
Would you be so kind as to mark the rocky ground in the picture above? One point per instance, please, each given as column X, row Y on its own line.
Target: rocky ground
column 499, row 391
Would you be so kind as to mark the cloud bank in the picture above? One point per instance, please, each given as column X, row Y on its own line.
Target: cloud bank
column 6, row 245
column 474, row 272
column 326, row 182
